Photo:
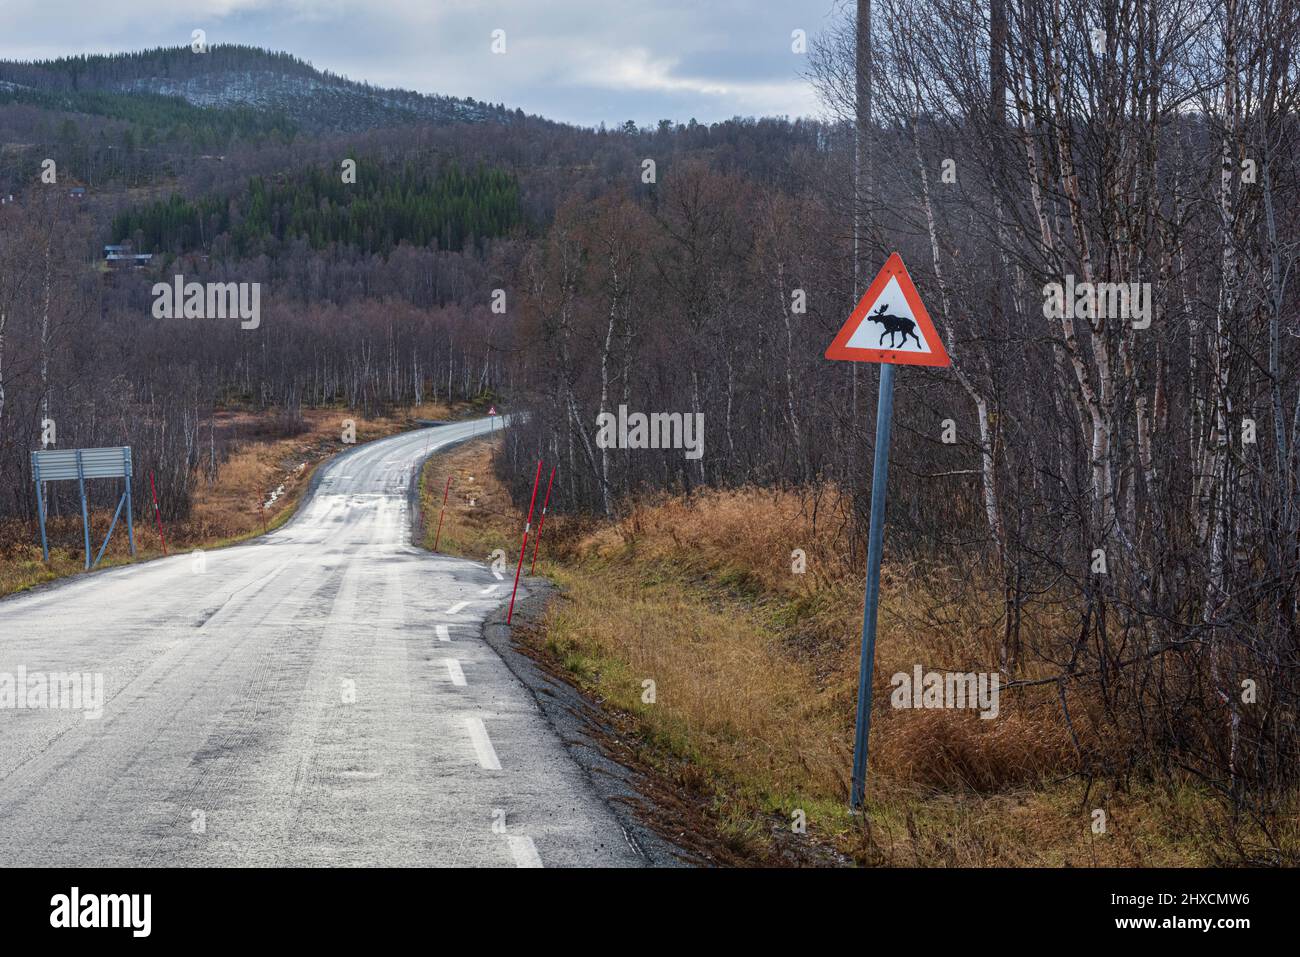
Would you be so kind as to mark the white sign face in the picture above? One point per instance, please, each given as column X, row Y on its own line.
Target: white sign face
column 63, row 464
column 890, row 324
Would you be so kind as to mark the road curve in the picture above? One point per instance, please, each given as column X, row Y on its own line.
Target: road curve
column 318, row 697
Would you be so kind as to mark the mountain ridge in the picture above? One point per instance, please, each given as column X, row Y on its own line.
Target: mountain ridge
column 232, row 76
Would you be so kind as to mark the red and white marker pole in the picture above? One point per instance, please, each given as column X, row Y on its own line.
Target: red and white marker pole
column 541, row 520
column 437, row 538
column 157, row 515
column 537, row 479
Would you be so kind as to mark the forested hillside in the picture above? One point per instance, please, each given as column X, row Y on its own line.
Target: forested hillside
column 152, row 118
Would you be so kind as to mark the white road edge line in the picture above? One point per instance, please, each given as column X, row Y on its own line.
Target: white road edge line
column 487, row 755
column 443, row 633
column 457, row 675
column 524, row 851
column 489, row 590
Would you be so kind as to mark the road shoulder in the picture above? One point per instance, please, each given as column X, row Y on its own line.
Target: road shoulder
column 578, row 723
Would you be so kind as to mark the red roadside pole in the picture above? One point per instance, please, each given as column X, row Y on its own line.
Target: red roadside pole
column 524, row 547
column 541, row 520
column 157, row 515
column 437, row 538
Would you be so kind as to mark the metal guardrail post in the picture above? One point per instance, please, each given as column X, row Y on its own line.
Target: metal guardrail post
column 85, row 509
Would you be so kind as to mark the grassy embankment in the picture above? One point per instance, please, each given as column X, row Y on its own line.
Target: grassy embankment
column 262, row 460
column 755, row 672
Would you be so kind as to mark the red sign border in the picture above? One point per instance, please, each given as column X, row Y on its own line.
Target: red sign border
column 893, row 269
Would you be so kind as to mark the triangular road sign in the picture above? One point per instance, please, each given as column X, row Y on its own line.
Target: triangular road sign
column 890, row 324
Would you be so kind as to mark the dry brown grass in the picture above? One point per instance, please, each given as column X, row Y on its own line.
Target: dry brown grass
column 742, row 542
column 479, row 517
column 755, row 677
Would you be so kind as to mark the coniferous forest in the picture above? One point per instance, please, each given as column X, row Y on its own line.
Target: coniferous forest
column 419, row 204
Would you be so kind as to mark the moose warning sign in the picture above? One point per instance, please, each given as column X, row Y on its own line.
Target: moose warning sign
column 890, row 324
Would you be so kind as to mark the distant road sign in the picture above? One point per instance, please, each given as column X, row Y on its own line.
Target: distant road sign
column 59, row 464
column 492, row 410
column 890, row 324
column 54, row 465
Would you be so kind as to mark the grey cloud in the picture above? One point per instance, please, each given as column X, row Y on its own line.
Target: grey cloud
column 583, row 61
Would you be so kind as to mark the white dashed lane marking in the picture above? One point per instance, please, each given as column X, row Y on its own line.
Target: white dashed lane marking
column 487, row 755
column 457, row 675
column 524, row 851
column 443, row 633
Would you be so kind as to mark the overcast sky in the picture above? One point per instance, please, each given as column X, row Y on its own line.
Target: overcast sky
column 582, row 61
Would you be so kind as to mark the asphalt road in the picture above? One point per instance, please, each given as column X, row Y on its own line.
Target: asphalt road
column 319, row 697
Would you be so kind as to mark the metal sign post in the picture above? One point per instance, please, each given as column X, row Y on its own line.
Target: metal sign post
column 66, row 464
column 871, row 603
column 905, row 336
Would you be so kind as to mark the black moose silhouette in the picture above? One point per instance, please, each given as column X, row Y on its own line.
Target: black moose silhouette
column 895, row 326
